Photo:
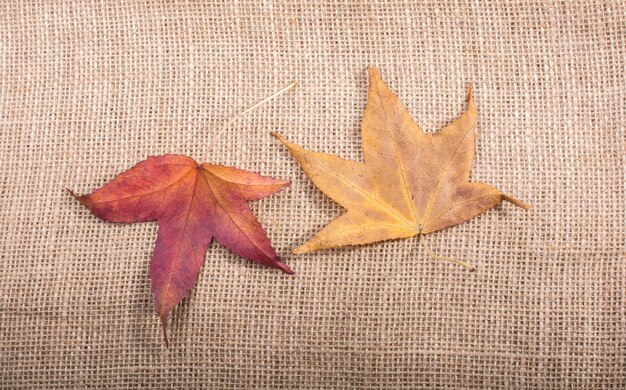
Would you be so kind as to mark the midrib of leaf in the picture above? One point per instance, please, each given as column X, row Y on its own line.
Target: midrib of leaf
column 405, row 187
column 436, row 190
column 367, row 194
column 177, row 259
column 217, row 200
column 176, row 181
column 456, row 205
column 377, row 224
column 241, row 183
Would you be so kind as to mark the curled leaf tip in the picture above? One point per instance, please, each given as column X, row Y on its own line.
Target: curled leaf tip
column 164, row 324
column 284, row 267
column 281, row 139
column 299, row 250
column 470, row 98
column 72, row 193
column 516, row 202
column 373, row 72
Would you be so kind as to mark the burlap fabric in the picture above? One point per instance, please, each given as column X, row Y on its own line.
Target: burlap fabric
column 87, row 89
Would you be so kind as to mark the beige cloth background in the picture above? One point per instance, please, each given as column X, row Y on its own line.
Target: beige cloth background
column 87, row 89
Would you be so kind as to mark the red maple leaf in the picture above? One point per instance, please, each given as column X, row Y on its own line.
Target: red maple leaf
column 192, row 203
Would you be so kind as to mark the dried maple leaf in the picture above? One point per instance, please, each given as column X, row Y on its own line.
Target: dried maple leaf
column 192, row 203
column 410, row 183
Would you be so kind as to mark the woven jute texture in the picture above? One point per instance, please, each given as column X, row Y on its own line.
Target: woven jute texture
column 88, row 89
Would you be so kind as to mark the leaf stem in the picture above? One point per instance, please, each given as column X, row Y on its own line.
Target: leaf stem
column 233, row 119
column 469, row 266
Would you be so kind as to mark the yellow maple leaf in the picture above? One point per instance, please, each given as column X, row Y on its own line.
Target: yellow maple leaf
column 410, row 183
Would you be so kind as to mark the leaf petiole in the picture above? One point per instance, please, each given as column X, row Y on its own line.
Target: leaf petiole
column 470, row 267
column 233, row 119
